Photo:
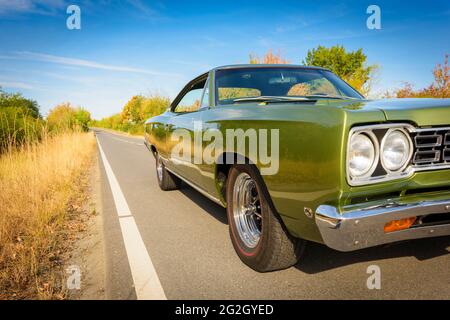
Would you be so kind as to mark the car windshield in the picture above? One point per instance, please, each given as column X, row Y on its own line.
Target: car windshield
column 279, row 84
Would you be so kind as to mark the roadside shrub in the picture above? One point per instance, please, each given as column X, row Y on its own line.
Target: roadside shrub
column 20, row 121
column 66, row 117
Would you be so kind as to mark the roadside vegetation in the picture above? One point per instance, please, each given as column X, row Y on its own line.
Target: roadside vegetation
column 132, row 118
column 44, row 166
column 20, row 121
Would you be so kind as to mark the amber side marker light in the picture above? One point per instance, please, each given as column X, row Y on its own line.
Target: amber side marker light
column 397, row 225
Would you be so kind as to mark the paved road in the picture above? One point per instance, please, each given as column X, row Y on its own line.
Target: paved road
column 186, row 238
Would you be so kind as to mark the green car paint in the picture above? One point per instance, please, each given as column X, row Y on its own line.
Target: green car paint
column 313, row 141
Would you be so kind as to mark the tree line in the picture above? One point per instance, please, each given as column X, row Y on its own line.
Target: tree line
column 133, row 115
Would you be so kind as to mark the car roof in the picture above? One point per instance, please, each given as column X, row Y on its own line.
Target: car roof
column 261, row 65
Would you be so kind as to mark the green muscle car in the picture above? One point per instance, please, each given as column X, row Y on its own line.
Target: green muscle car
column 295, row 154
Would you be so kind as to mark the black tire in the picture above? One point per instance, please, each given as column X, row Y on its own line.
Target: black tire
column 276, row 248
column 166, row 180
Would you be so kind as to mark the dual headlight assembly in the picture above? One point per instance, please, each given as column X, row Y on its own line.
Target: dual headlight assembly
column 378, row 153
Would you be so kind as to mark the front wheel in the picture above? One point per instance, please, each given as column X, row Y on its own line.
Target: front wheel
column 166, row 180
column 256, row 230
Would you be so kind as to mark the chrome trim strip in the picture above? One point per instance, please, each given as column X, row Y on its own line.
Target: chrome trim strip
column 437, row 156
column 438, row 142
column 446, row 154
column 203, row 192
column 434, row 167
column 406, row 126
column 362, row 228
column 431, row 129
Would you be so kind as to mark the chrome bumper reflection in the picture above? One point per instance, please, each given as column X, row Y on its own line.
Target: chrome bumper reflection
column 362, row 228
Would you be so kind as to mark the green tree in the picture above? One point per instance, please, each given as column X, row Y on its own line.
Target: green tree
column 18, row 102
column 131, row 112
column 20, row 120
column 349, row 65
column 132, row 118
column 83, row 118
column 66, row 117
column 61, row 117
column 153, row 106
column 140, row 108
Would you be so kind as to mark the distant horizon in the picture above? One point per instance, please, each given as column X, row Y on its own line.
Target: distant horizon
column 137, row 47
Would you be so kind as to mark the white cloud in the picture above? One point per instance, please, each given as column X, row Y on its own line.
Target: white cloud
column 213, row 42
column 31, row 6
column 15, row 85
column 139, row 5
column 33, row 56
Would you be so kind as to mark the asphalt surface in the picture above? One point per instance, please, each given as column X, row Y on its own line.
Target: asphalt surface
column 186, row 237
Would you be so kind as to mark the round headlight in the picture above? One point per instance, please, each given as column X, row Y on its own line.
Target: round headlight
column 362, row 155
column 395, row 150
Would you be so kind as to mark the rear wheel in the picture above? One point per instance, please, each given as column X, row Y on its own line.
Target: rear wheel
column 166, row 180
column 256, row 230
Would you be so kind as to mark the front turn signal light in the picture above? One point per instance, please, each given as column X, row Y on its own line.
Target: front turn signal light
column 397, row 225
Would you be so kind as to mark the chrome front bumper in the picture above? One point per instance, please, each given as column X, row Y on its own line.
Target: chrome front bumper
column 364, row 227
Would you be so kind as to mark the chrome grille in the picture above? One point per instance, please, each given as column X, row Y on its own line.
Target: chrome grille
column 447, row 154
column 431, row 147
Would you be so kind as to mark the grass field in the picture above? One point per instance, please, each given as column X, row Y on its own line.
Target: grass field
column 43, row 186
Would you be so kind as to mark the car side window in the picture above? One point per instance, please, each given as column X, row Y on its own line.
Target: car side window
column 190, row 102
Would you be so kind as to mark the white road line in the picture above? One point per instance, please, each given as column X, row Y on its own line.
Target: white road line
column 119, row 198
column 116, row 137
column 145, row 278
column 123, row 140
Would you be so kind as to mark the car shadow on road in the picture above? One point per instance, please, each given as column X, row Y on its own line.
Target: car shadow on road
column 319, row 258
column 216, row 211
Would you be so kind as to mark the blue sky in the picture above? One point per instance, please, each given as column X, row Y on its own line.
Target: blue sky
column 142, row 47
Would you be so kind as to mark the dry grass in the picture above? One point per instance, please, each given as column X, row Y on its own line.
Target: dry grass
column 41, row 188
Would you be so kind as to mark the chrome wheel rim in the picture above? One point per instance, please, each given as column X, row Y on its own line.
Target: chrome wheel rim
column 159, row 169
column 247, row 210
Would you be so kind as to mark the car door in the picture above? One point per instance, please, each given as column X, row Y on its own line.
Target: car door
column 183, row 158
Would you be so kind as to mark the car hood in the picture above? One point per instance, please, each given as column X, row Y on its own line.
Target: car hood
column 423, row 112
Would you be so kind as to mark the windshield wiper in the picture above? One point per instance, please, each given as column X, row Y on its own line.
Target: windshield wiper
column 272, row 99
column 326, row 96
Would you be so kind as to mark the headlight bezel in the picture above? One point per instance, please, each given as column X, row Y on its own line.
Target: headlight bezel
column 376, row 155
column 374, row 130
column 408, row 155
